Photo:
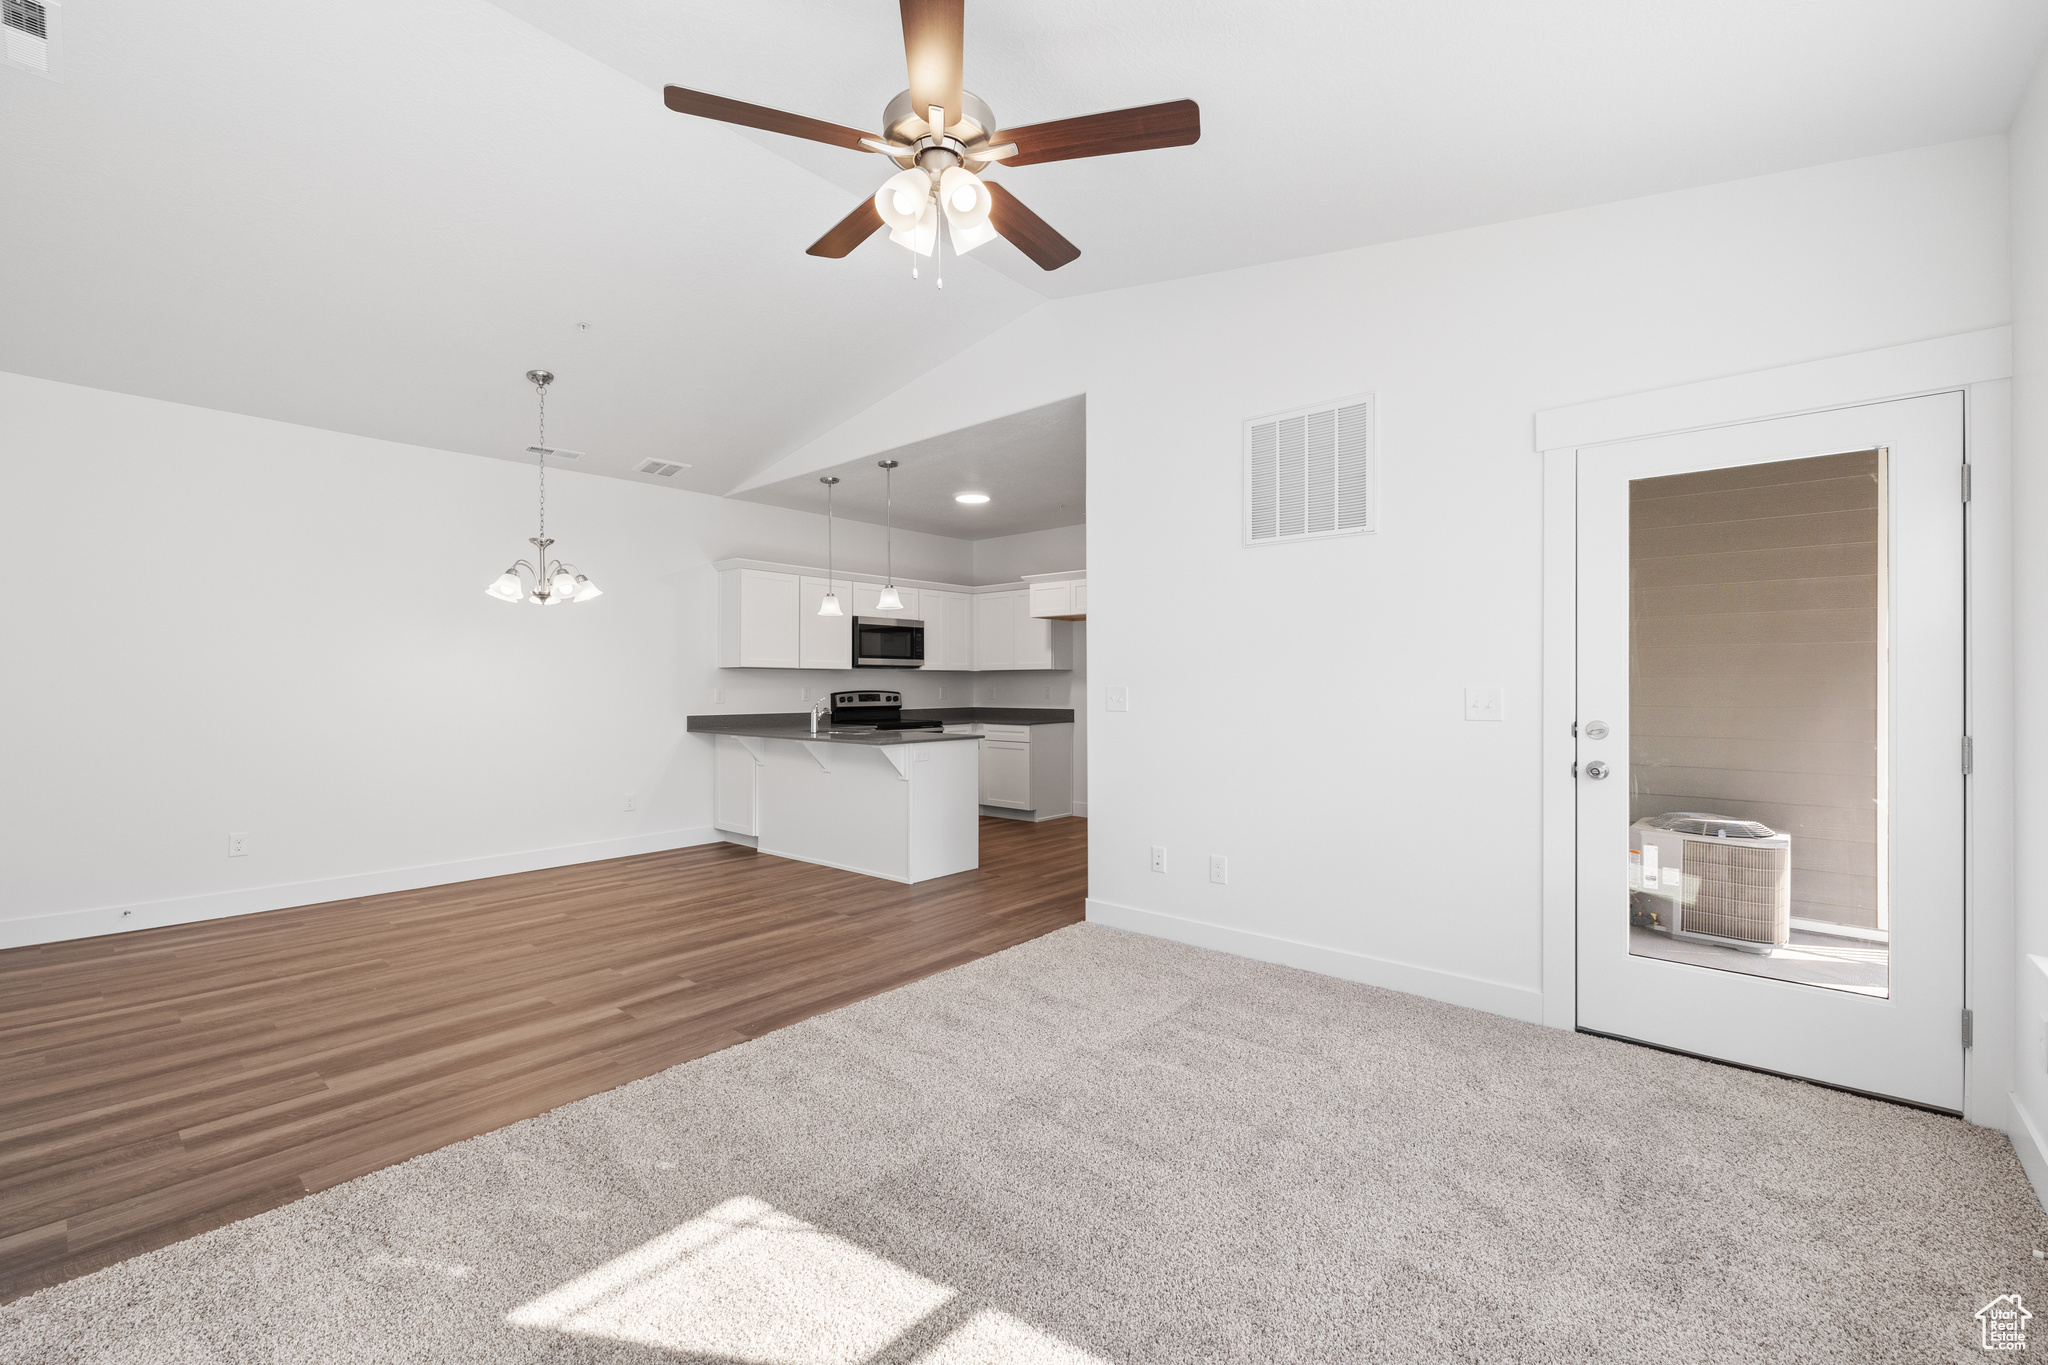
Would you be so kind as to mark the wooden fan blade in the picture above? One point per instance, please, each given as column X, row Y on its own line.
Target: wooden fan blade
column 932, row 47
column 852, row 230
column 760, row 116
column 1028, row 232
column 1125, row 130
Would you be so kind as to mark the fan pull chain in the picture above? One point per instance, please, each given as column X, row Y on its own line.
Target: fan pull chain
column 939, row 247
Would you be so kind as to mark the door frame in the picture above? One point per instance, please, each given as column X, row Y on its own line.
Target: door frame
column 1976, row 364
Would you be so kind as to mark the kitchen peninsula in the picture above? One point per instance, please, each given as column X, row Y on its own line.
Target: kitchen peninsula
column 904, row 804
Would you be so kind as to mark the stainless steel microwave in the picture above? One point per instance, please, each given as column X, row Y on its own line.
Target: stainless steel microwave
column 887, row 642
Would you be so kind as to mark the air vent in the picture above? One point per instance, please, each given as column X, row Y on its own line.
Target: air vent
column 554, row 454
column 1311, row 473
column 666, row 469
column 28, row 27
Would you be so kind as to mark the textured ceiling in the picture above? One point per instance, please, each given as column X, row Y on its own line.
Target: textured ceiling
column 1031, row 464
column 374, row 217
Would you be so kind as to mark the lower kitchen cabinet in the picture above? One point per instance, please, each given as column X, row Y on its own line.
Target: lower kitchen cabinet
column 1028, row 769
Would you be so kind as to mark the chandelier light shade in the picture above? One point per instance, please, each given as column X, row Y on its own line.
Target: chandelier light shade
column 890, row 600
column 830, row 606
column 555, row 582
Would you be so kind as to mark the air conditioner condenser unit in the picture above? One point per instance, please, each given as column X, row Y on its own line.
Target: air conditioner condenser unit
column 1716, row 878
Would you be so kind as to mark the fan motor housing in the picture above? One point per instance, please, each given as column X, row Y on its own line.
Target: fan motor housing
column 903, row 124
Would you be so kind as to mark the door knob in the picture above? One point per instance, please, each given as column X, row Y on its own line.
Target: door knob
column 1596, row 770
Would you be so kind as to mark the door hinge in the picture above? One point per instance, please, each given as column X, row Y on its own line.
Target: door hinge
column 1968, row 1028
column 1969, row 755
column 1966, row 483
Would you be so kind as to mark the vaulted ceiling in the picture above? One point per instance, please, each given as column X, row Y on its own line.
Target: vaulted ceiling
column 374, row 217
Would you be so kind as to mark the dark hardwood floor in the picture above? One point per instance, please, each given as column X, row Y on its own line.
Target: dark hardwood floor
column 160, row 1083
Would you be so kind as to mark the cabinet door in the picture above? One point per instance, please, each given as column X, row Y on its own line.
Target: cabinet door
column 768, row 619
column 1034, row 638
column 824, row 641
column 1005, row 774
column 958, row 609
column 866, row 595
column 995, row 631
column 1052, row 599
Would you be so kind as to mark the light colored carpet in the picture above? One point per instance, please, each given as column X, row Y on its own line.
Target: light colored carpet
column 1097, row 1147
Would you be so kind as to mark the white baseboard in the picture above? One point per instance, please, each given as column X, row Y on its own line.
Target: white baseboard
column 1081, row 809
column 2027, row 1142
column 1495, row 997
column 121, row 919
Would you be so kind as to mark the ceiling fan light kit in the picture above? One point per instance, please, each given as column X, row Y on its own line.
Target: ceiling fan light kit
column 941, row 136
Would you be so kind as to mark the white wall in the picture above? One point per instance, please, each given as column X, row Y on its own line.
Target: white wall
column 243, row 625
column 1005, row 559
column 2029, row 153
column 1371, row 831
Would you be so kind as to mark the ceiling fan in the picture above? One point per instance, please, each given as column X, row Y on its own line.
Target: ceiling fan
column 940, row 137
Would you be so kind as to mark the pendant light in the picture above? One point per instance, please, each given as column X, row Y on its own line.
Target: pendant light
column 890, row 600
column 830, row 606
column 555, row 583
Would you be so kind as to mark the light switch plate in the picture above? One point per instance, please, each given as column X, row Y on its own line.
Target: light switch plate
column 1485, row 703
column 1116, row 698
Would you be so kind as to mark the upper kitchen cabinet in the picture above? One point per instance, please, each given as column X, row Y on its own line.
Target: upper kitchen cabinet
column 866, row 596
column 1008, row 636
column 757, row 619
column 948, row 629
column 824, row 641
column 1058, row 597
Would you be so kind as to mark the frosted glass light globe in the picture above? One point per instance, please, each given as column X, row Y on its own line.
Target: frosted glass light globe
column 906, row 203
column 963, row 198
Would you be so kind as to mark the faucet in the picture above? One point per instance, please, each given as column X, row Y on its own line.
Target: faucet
column 822, row 706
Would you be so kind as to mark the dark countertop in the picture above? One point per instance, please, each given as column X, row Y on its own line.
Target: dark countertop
column 797, row 724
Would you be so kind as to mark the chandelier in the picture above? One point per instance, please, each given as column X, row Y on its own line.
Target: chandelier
column 555, row 582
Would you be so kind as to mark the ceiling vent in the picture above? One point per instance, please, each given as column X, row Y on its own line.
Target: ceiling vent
column 1312, row 473
column 554, row 454
column 29, row 31
column 666, row 469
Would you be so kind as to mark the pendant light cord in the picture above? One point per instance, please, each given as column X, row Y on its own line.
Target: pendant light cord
column 542, row 389
column 889, row 515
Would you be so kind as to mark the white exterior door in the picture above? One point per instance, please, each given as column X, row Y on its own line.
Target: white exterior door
column 1770, row 745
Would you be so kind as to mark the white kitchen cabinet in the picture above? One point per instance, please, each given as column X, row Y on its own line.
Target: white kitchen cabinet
column 995, row 630
column 866, row 596
column 948, row 629
column 1029, row 769
column 757, row 619
column 1005, row 774
column 1064, row 600
column 824, row 641
column 1008, row 636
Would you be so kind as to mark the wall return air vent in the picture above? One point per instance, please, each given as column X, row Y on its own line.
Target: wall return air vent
column 1311, row 473
column 666, row 469
column 28, row 35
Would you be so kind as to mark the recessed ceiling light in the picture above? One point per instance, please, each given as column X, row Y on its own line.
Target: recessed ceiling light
column 970, row 497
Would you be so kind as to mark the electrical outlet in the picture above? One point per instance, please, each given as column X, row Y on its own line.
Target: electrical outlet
column 1158, row 858
column 803, row 694
column 1485, row 703
column 942, row 691
column 1116, row 698
column 238, row 845
column 1219, row 869
column 718, row 696
column 632, row 801
column 1048, row 692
